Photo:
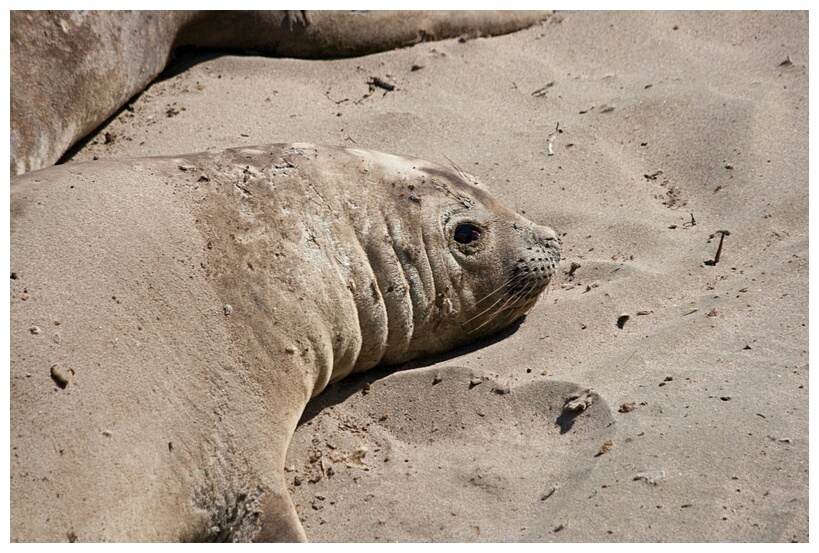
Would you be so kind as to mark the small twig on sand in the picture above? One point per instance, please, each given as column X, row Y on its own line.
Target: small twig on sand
column 381, row 83
column 723, row 234
column 690, row 223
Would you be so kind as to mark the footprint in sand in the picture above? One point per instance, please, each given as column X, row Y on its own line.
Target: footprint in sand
column 443, row 454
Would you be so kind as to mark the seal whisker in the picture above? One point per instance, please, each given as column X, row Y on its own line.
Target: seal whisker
column 492, row 317
column 460, row 172
column 513, row 299
column 504, row 285
column 514, row 279
column 518, row 298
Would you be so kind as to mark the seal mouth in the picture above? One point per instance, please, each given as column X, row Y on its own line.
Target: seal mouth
column 527, row 280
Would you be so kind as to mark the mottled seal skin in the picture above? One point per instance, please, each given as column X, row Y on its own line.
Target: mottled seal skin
column 71, row 70
column 171, row 317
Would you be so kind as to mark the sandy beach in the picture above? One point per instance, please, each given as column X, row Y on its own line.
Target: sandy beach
column 669, row 150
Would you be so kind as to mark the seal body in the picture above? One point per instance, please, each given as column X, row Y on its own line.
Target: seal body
column 171, row 317
column 71, row 70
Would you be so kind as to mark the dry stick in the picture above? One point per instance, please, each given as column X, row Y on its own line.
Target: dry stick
column 723, row 233
column 381, row 83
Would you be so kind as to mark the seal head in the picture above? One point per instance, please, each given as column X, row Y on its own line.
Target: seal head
column 446, row 263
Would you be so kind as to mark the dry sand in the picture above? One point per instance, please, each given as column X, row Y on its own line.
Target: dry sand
column 665, row 128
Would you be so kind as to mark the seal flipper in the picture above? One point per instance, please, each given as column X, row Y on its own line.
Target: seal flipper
column 279, row 520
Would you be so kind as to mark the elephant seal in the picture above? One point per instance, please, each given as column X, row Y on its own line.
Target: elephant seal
column 171, row 317
column 71, row 70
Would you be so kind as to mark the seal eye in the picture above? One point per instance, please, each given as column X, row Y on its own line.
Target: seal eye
column 465, row 233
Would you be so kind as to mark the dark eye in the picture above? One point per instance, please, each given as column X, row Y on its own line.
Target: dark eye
column 465, row 233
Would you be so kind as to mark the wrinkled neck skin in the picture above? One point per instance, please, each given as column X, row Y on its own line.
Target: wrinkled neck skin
column 407, row 285
column 370, row 261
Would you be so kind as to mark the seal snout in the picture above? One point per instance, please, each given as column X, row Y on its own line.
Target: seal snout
column 534, row 267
